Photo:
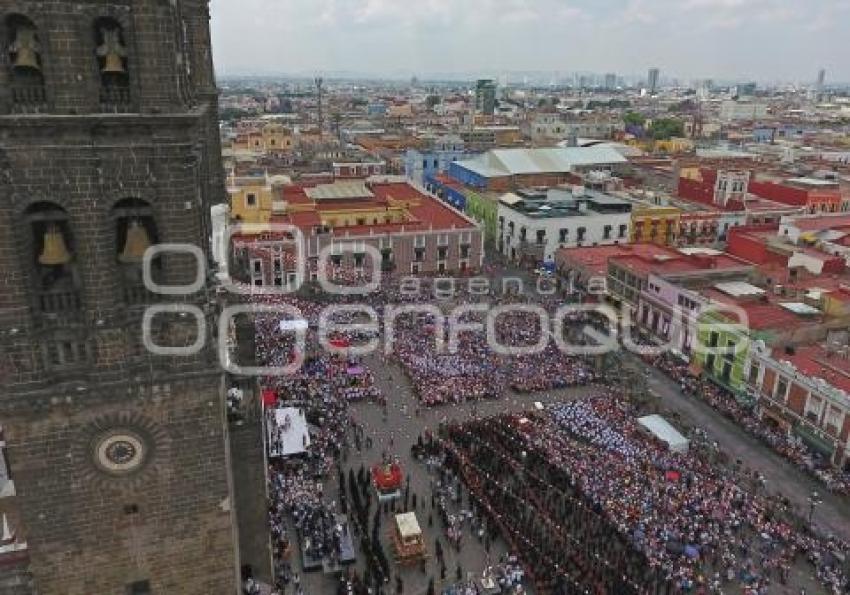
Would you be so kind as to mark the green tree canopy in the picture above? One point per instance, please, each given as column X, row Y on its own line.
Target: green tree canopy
column 634, row 118
column 665, row 128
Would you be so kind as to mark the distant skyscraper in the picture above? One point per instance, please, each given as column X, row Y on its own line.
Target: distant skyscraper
column 610, row 81
column 652, row 80
column 485, row 96
column 821, row 79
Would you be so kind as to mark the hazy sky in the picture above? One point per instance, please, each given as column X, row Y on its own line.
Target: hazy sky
column 758, row 39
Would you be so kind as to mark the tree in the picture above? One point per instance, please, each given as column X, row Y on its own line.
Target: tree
column 634, row 118
column 665, row 128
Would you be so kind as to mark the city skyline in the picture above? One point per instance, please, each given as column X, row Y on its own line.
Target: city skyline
column 761, row 40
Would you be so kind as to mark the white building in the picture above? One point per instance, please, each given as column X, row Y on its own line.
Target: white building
column 535, row 223
column 742, row 110
column 555, row 127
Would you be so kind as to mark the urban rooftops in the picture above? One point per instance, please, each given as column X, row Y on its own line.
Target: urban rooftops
column 510, row 162
column 550, row 203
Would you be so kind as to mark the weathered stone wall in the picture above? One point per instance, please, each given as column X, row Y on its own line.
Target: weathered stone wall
column 119, row 456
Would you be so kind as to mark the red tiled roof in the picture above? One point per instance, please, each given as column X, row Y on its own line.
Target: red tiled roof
column 821, row 223
column 761, row 315
column 427, row 213
column 596, row 257
column 814, row 361
column 681, row 263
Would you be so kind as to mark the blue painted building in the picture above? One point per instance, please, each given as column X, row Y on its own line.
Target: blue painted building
column 419, row 165
column 466, row 176
column 446, row 191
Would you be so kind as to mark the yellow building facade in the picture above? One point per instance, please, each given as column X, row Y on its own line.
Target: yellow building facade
column 251, row 199
column 655, row 224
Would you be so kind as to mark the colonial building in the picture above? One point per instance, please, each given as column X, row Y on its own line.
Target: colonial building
column 805, row 390
column 412, row 232
column 535, row 223
column 117, row 449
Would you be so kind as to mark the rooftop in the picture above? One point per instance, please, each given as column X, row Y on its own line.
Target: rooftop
column 553, row 203
column 817, row 361
column 680, row 265
column 507, row 162
column 761, row 313
column 820, row 223
column 422, row 212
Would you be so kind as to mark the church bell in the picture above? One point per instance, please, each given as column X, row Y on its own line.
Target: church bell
column 136, row 244
column 25, row 48
column 113, row 63
column 112, row 52
column 54, row 252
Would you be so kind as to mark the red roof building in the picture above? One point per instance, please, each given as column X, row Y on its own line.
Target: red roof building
column 412, row 231
column 806, row 390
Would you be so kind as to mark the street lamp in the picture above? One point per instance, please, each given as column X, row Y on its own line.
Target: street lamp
column 814, row 501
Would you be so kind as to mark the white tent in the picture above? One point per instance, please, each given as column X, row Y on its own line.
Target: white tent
column 287, row 432
column 661, row 429
column 299, row 324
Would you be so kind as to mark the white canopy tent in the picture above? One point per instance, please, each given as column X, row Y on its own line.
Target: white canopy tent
column 287, row 432
column 299, row 324
column 661, row 429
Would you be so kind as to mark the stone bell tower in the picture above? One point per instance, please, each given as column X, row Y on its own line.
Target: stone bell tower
column 117, row 451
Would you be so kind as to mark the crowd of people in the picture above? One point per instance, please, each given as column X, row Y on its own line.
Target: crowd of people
column 585, row 499
column 789, row 446
column 322, row 389
column 590, row 502
column 477, row 367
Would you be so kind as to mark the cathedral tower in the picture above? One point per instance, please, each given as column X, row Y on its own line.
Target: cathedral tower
column 109, row 144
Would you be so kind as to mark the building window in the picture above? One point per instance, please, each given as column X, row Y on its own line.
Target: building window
column 781, row 389
column 250, row 200
column 606, row 232
column 541, row 237
column 419, row 241
column 754, row 374
column 622, row 231
column 813, row 409
column 580, row 233
column 562, row 235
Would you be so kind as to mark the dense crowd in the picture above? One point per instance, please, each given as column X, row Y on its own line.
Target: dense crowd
column 788, row 445
column 586, row 500
column 322, row 388
column 590, row 502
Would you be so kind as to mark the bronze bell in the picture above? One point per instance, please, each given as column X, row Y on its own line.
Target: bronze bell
column 136, row 244
column 26, row 49
column 112, row 52
column 113, row 64
column 54, row 252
